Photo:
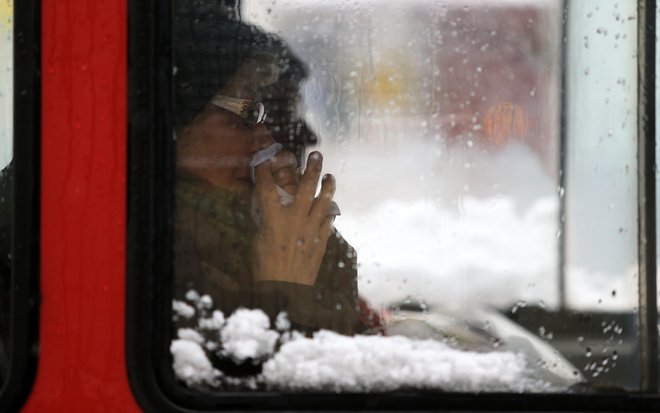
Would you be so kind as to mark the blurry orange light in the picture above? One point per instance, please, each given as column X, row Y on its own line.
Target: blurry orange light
column 504, row 121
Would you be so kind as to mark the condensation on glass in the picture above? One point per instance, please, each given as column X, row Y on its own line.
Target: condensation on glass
column 6, row 138
column 471, row 216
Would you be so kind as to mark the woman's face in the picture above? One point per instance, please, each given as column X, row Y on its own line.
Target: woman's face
column 217, row 146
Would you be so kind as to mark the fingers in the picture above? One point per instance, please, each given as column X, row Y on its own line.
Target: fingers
column 305, row 205
column 309, row 181
column 287, row 179
column 265, row 188
column 284, row 159
column 321, row 205
column 285, row 174
column 325, row 230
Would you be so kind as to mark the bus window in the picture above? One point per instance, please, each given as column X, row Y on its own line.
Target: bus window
column 427, row 118
column 378, row 196
column 6, row 135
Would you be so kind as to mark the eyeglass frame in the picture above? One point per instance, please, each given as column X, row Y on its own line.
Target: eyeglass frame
column 252, row 112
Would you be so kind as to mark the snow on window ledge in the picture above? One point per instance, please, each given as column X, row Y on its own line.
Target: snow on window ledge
column 332, row 362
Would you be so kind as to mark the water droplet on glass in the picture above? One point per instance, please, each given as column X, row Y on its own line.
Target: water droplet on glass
column 601, row 30
column 518, row 305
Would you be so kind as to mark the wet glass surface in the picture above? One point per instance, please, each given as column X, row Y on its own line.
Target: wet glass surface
column 601, row 186
column 467, row 218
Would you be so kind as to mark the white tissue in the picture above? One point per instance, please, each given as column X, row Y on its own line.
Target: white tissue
column 285, row 198
column 264, row 155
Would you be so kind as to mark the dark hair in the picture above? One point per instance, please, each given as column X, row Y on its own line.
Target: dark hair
column 209, row 47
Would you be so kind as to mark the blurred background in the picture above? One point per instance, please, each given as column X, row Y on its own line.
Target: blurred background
column 442, row 122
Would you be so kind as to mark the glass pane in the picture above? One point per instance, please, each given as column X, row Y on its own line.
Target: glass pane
column 6, row 138
column 601, row 190
column 462, row 242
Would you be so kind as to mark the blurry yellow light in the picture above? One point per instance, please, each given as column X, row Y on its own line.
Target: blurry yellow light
column 6, row 11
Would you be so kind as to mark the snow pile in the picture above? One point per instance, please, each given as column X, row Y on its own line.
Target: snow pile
column 332, row 362
column 488, row 252
column 204, row 302
column 215, row 322
column 181, row 309
column 282, row 322
column 189, row 334
column 191, row 364
column 247, row 335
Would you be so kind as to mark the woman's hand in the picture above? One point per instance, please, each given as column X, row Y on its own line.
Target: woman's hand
column 291, row 240
column 285, row 171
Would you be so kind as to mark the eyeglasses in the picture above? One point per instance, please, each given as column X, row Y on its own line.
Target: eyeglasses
column 252, row 111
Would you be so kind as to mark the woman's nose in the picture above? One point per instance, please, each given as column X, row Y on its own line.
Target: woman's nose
column 260, row 138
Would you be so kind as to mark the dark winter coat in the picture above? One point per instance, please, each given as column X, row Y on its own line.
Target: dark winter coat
column 212, row 253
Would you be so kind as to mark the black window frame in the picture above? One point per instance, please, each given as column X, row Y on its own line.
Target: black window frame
column 150, row 179
column 25, row 189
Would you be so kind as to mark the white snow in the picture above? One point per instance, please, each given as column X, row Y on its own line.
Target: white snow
column 182, row 309
column 282, row 322
column 205, row 302
column 247, row 334
column 192, row 295
column 332, row 362
column 190, row 335
column 215, row 322
column 489, row 252
column 191, row 364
